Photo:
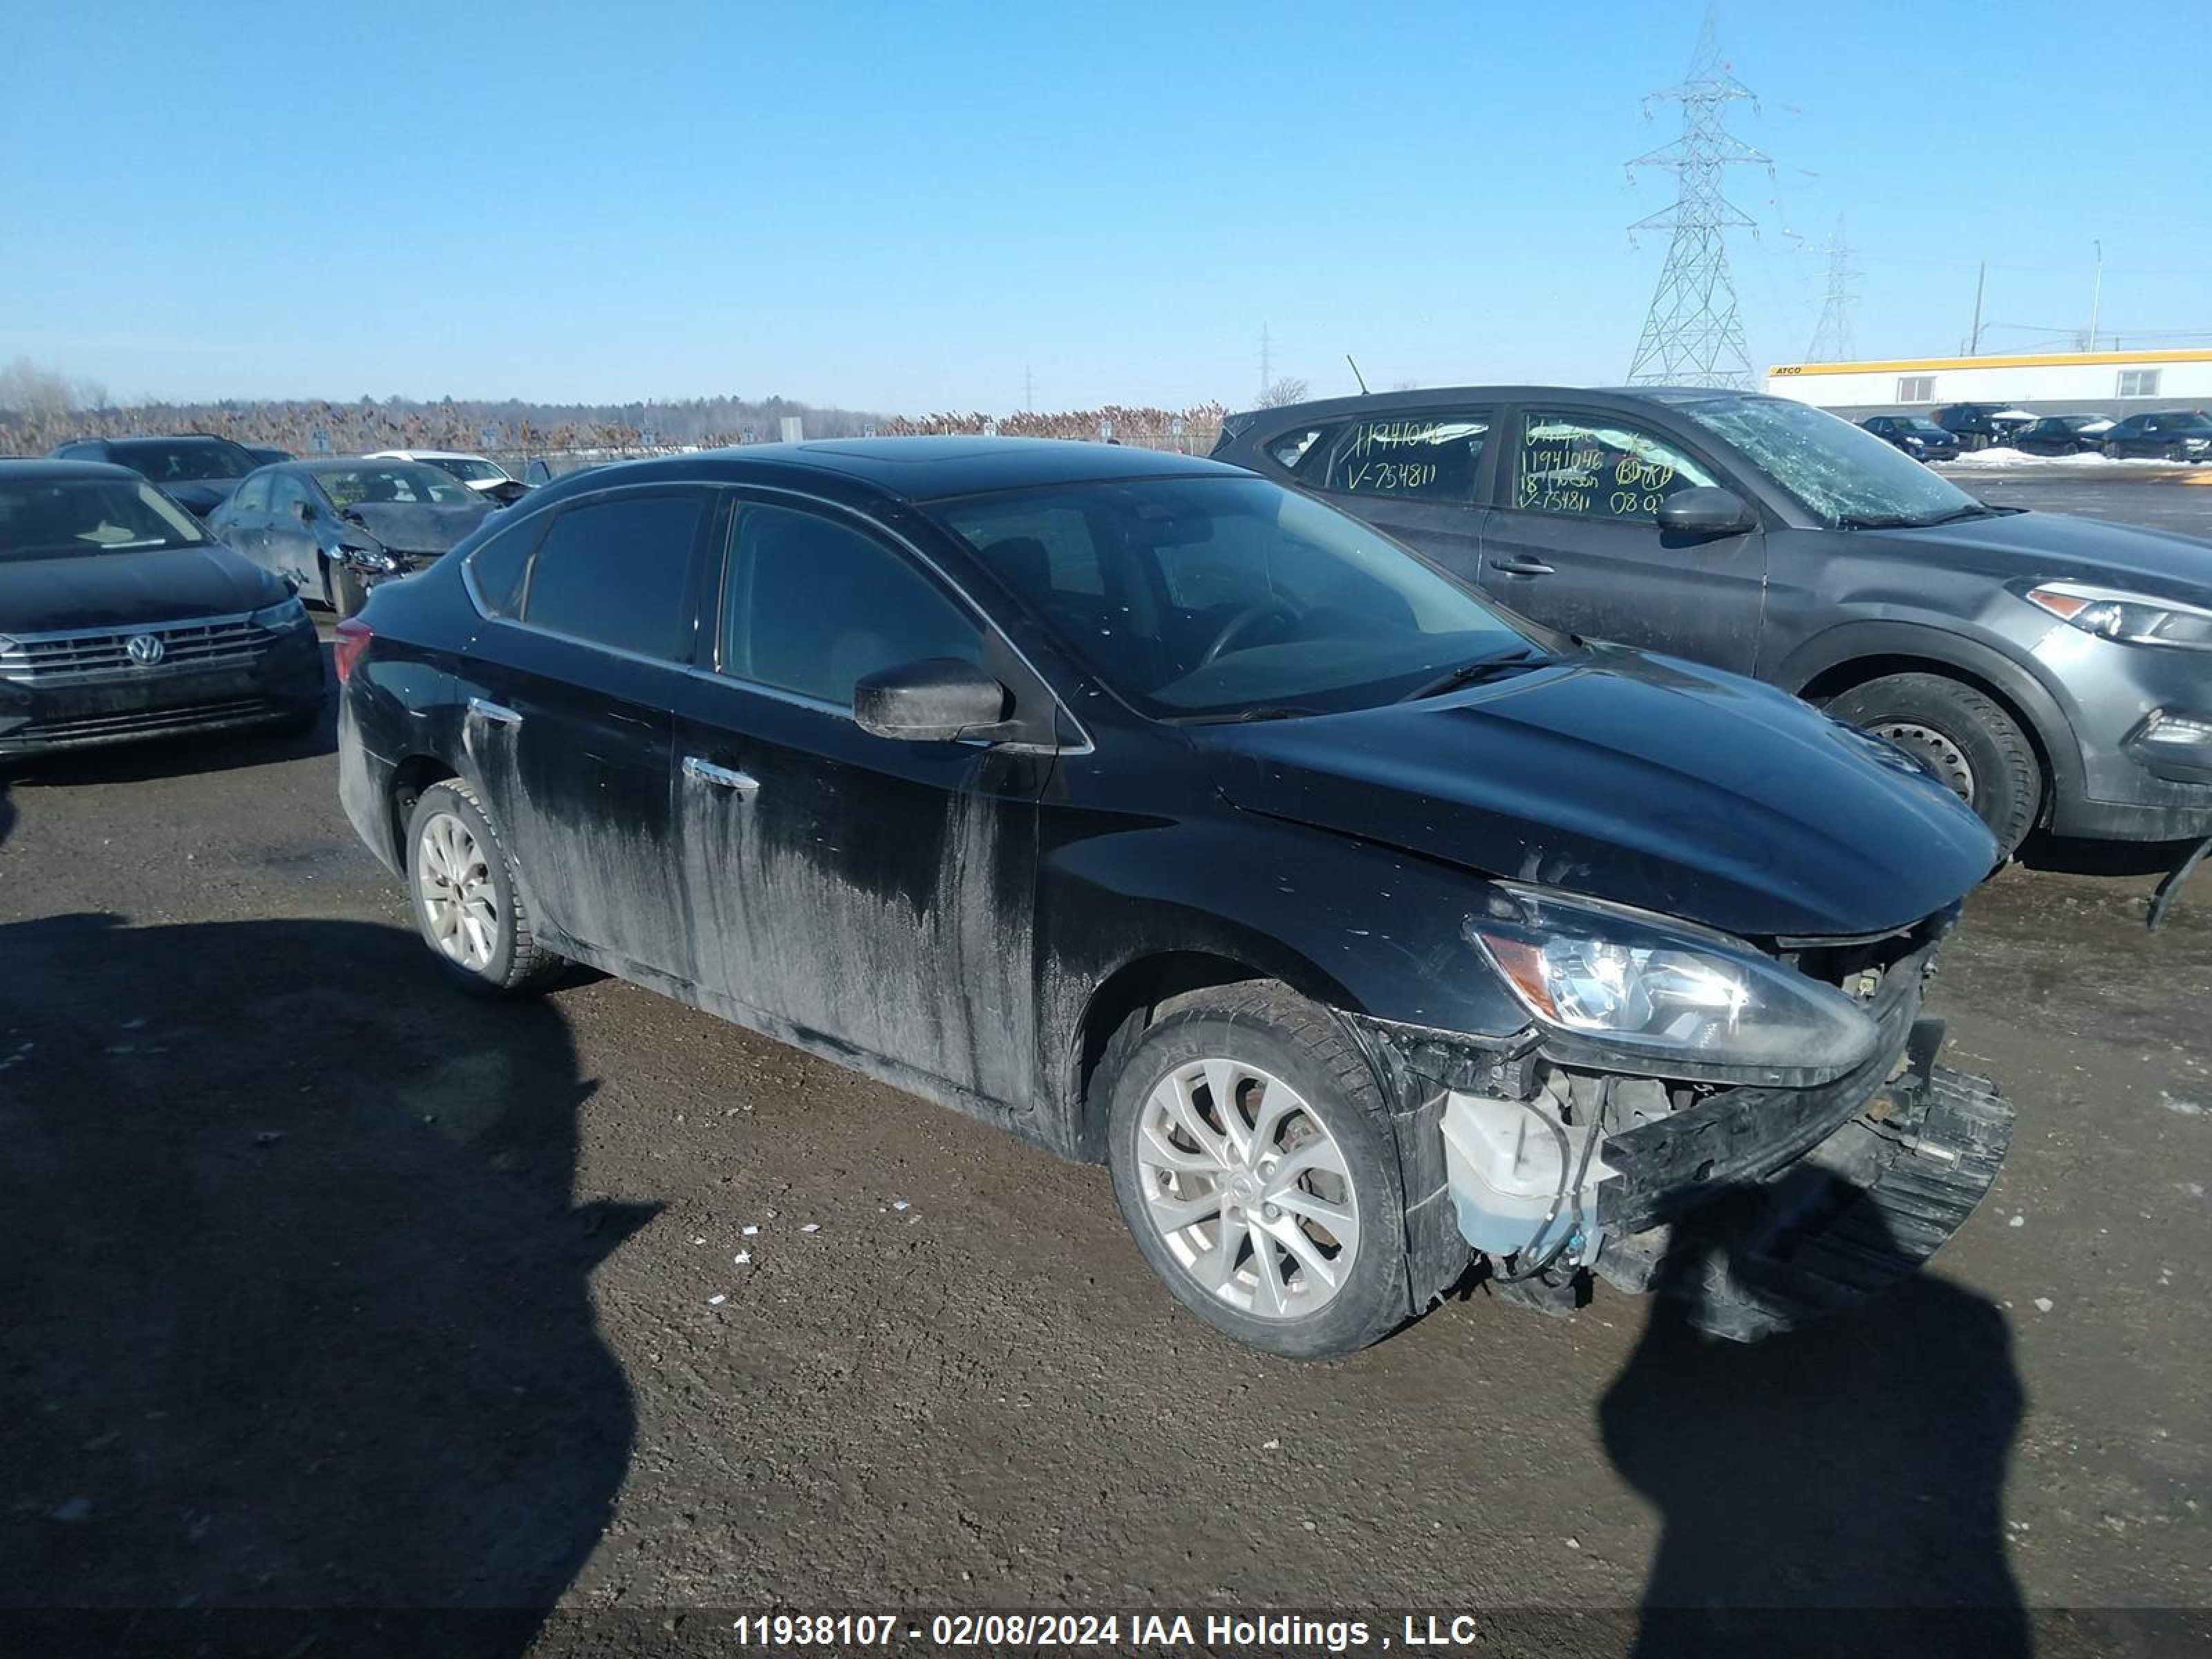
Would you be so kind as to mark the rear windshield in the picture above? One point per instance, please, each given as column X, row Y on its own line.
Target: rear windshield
column 165, row 461
column 67, row 518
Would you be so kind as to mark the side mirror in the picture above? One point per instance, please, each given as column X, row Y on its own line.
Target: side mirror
column 305, row 511
column 937, row 700
column 1705, row 512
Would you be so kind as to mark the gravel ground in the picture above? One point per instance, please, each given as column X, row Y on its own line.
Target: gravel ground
column 331, row 1288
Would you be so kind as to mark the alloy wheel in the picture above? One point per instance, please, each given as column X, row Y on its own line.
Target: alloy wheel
column 1247, row 1188
column 454, row 877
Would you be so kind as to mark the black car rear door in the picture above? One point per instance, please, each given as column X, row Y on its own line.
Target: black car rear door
column 570, row 693
column 1419, row 474
column 876, row 893
column 1574, row 540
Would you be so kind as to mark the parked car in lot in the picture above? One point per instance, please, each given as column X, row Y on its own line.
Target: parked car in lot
column 484, row 476
column 1981, row 426
column 1916, row 434
column 2063, row 434
column 336, row 528
column 121, row 617
column 193, row 468
column 2051, row 669
column 1163, row 816
column 2171, row 435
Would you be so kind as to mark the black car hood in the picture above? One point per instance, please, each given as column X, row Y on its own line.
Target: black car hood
column 1642, row 780
column 120, row 590
column 418, row 527
column 2050, row 546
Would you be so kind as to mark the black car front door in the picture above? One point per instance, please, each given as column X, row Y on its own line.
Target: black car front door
column 875, row 894
column 570, row 692
column 1574, row 540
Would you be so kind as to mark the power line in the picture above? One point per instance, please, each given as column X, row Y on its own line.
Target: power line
column 1693, row 334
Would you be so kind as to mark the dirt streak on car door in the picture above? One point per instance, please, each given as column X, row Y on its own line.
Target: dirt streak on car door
column 877, row 894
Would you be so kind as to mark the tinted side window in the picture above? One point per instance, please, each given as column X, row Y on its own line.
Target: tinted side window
column 616, row 573
column 811, row 603
column 1597, row 467
column 1427, row 457
column 252, row 496
column 497, row 567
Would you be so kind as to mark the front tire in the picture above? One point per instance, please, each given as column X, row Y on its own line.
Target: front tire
column 1253, row 1163
column 1965, row 739
column 466, row 904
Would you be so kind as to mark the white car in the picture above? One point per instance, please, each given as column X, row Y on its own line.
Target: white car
column 484, row 476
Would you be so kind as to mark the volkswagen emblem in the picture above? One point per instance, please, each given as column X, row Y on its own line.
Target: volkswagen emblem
column 143, row 649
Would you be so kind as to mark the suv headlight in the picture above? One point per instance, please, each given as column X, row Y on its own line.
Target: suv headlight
column 1691, row 1000
column 285, row 613
column 2131, row 618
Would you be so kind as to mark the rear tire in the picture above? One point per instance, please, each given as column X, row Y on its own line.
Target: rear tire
column 1275, row 1215
column 1967, row 740
column 467, row 905
column 349, row 591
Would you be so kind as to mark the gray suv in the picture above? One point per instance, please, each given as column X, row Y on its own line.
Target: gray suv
column 2054, row 670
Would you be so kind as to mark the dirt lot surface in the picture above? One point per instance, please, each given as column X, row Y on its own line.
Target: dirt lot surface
column 327, row 1286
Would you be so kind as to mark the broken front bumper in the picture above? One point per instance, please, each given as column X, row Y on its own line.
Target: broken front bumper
column 1725, row 1200
column 1862, row 1209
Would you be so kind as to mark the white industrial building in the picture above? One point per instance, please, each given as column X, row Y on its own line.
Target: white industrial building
column 2049, row 383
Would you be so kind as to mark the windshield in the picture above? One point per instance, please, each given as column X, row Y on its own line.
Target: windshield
column 470, row 469
column 1924, row 428
column 1224, row 598
column 167, row 462
column 63, row 518
column 1841, row 474
column 409, row 484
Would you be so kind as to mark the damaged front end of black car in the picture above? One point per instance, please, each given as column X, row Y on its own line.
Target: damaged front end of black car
column 1666, row 1068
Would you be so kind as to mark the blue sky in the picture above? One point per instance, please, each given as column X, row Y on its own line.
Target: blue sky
column 904, row 207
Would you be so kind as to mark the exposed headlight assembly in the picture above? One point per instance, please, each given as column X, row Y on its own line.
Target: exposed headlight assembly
column 285, row 613
column 2131, row 618
column 374, row 559
column 1691, row 1003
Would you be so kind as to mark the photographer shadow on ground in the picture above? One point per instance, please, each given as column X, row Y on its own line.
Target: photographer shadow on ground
column 297, row 1306
column 1836, row 1488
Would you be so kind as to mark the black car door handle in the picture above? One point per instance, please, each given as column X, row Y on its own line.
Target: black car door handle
column 1520, row 567
column 721, row 777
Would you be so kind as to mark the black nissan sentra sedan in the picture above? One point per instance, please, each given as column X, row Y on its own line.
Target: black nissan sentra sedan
column 1167, row 817
column 120, row 617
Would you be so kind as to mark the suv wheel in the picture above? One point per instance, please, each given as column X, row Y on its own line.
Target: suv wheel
column 1253, row 1163
column 465, row 899
column 1963, row 738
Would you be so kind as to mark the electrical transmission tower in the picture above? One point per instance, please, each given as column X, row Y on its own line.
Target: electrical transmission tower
column 1692, row 335
column 1832, row 338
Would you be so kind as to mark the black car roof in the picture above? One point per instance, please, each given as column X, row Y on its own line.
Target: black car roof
column 911, row 469
column 51, row 472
